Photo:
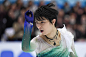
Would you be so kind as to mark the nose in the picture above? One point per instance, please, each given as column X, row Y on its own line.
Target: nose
column 38, row 26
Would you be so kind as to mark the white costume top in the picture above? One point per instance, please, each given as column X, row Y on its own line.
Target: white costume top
column 66, row 40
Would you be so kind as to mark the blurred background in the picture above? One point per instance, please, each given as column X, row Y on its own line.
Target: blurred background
column 72, row 13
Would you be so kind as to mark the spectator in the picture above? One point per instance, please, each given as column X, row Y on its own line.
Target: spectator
column 22, row 12
column 6, row 4
column 85, row 10
column 83, row 20
column 18, row 28
column 80, row 31
column 2, row 20
column 20, row 4
column 31, row 6
column 59, row 22
column 61, row 13
column 79, row 14
column 10, row 19
column 74, row 17
column 41, row 3
column 66, row 8
column 78, row 4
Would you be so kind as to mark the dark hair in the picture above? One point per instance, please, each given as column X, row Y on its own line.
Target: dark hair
column 46, row 11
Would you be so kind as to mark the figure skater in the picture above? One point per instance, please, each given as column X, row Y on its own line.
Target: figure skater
column 52, row 42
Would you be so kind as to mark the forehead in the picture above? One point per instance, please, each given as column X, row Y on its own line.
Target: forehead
column 41, row 19
column 45, row 20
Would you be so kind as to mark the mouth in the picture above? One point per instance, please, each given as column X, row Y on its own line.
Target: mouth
column 41, row 31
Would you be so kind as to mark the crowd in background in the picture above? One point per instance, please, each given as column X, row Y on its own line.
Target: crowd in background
column 12, row 19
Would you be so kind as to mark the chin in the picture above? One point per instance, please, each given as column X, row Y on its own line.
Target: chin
column 44, row 34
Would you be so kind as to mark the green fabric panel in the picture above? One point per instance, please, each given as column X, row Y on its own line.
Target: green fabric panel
column 58, row 51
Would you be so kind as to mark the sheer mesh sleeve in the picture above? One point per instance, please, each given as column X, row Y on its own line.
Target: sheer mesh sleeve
column 26, row 45
column 37, row 44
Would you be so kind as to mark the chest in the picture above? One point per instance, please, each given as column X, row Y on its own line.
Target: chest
column 43, row 45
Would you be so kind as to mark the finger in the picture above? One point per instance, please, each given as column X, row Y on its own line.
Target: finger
column 29, row 15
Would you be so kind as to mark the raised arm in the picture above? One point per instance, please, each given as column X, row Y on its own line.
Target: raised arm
column 27, row 46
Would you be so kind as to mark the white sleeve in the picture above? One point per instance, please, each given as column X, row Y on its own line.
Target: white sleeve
column 68, row 37
column 37, row 44
column 34, row 44
column 73, row 54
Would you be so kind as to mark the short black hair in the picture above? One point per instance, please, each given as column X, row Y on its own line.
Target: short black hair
column 46, row 11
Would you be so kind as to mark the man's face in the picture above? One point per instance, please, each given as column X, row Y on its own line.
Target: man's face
column 44, row 26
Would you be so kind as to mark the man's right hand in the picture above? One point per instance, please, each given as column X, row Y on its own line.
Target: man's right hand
column 29, row 16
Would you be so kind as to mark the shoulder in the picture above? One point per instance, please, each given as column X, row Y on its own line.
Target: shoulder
column 35, row 42
column 36, row 39
column 66, row 33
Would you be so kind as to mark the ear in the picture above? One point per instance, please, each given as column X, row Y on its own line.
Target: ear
column 53, row 21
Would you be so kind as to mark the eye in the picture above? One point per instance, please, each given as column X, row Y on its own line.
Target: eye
column 42, row 22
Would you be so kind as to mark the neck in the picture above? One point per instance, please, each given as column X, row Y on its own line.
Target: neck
column 52, row 33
